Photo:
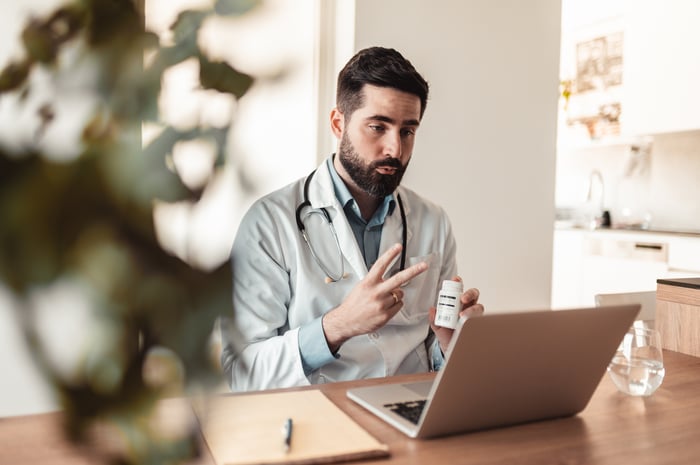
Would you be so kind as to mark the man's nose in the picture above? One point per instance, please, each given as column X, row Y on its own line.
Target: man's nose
column 393, row 147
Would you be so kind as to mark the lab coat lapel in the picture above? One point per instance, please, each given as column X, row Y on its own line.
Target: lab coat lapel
column 321, row 194
column 392, row 233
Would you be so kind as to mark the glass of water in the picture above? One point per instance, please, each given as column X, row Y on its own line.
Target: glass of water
column 637, row 368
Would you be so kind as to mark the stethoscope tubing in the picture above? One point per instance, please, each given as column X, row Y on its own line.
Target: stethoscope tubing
column 302, row 230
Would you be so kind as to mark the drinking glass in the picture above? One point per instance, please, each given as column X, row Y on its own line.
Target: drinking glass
column 637, row 368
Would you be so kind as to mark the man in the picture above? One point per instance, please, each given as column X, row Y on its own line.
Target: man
column 357, row 299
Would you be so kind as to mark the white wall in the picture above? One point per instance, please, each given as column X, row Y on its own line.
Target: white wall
column 486, row 146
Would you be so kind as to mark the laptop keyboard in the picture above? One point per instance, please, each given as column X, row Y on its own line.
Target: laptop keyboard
column 409, row 410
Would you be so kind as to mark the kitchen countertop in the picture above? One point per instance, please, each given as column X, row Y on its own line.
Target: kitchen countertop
column 566, row 225
column 692, row 283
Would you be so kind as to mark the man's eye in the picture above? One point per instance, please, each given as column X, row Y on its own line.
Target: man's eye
column 408, row 132
column 376, row 127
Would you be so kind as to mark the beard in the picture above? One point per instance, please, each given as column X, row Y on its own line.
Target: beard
column 365, row 175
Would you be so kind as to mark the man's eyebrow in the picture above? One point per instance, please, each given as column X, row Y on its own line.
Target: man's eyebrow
column 386, row 119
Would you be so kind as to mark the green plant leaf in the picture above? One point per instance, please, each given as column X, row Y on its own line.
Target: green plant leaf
column 38, row 43
column 187, row 24
column 223, row 77
column 14, row 75
column 90, row 219
column 234, row 7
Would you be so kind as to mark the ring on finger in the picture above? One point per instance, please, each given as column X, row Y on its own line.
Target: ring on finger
column 396, row 298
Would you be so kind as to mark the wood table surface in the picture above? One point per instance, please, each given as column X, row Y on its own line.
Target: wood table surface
column 613, row 429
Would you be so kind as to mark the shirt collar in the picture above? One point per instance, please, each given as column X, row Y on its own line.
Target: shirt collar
column 348, row 201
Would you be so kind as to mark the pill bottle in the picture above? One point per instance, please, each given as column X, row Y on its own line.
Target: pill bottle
column 449, row 304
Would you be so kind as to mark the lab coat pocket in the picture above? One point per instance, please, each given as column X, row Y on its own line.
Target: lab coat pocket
column 420, row 291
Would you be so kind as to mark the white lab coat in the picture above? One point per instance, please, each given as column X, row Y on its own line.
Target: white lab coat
column 278, row 287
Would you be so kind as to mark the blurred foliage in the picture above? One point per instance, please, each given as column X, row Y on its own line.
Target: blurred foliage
column 90, row 220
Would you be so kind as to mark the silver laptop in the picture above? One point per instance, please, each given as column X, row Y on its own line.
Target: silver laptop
column 505, row 369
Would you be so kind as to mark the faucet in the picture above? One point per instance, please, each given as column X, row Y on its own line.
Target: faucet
column 600, row 212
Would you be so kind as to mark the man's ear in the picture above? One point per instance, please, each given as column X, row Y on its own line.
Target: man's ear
column 337, row 122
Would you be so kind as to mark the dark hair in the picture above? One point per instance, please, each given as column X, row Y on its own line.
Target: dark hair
column 382, row 67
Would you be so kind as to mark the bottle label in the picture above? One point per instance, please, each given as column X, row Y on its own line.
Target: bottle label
column 447, row 311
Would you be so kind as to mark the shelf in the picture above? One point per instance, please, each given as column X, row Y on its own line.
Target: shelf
column 603, row 143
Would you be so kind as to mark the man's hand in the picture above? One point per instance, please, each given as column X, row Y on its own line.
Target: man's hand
column 470, row 307
column 371, row 303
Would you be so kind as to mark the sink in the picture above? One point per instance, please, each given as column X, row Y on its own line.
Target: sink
column 572, row 217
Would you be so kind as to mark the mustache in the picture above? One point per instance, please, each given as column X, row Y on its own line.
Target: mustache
column 389, row 163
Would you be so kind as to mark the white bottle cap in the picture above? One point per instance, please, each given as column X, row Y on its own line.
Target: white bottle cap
column 454, row 286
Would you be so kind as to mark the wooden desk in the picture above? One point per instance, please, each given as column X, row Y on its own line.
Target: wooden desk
column 613, row 429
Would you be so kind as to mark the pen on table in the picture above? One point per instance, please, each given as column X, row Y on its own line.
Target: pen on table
column 287, row 434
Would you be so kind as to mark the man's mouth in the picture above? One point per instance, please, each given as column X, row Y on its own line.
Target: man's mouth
column 388, row 170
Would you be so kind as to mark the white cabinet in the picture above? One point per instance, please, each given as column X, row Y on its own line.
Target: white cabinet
column 684, row 257
column 614, row 263
column 590, row 262
column 661, row 66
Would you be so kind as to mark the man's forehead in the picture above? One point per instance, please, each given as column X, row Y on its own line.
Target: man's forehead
column 390, row 105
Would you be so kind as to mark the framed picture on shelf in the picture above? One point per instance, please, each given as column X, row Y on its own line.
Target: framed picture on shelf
column 599, row 63
column 595, row 67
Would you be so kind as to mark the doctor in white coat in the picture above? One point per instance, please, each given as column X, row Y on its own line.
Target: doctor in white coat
column 335, row 276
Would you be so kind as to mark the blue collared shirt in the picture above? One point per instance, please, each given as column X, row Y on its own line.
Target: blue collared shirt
column 367, row 233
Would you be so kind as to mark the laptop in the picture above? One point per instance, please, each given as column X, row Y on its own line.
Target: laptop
column 506, row 369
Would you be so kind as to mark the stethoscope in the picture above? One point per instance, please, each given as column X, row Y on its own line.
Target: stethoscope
column 322, row 211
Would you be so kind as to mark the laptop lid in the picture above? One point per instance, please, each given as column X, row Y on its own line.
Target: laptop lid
column 509, row 368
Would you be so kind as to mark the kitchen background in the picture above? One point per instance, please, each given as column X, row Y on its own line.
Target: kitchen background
column 665, row 183
column 629, row 144
column 666, row 189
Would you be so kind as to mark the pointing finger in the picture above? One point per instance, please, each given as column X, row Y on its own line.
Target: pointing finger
column 384, row 262
column 406, row 275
